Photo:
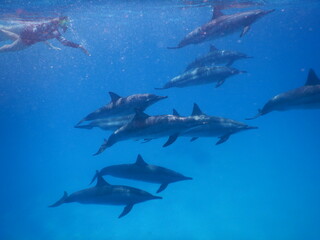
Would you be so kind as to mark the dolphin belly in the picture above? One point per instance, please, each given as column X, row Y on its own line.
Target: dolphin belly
column 148, row 134
column 193, row 79
column 140, row 175
column 114, row 195
column 154, row 131
column 306, row 102
column 207, row 131
column 302, row 98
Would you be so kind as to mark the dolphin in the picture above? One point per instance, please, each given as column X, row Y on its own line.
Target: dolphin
column 148, row 127
column 305, row 97
column 123, row 106
column 216, row 57
column 222, row 4
column 222, row 25
column 202, row 75
column 236, row 4
column 108, row 124
column 142, row 171
column 214, row 127
column 107, row 194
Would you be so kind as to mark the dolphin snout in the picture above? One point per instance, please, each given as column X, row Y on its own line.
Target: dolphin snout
column 162, row 97
column 188, row 178
column 156, row 197
column 251, row 127
column 157, row 98
column 236, row 71
column 269, row 11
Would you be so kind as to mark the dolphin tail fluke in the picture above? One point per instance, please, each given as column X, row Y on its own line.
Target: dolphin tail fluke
column 162, row 187
column 61, row 201
column 126, row 210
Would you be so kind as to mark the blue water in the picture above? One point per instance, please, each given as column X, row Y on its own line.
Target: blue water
column 260, row 184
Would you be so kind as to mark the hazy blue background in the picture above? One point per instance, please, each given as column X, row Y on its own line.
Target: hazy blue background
column 260, row 184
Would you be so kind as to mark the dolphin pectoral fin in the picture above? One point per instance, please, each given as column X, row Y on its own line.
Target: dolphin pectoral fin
column 171, row 140
column 193, row 139
column 244, row 31
column 126, row 210
column 223, row 139
column 146, row 140
column 219, row 83
column 162, row 187
column 61, row 200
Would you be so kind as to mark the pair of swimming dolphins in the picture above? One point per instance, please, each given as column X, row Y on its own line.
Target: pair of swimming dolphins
column 107, row 194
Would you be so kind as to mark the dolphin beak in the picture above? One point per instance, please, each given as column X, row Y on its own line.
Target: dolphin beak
column 156, row 197
column 250, row 127
column 269, row 11
column 158, row 98
column 162, row 97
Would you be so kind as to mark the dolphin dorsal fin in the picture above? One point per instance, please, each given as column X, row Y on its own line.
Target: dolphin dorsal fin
column 213, row 48
column 312, row 78
column 100, row 180
column 114, row 97
column 140, row 115
column 175, row 113
column 196, row 110
column 140, row 161
column 216, row 12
